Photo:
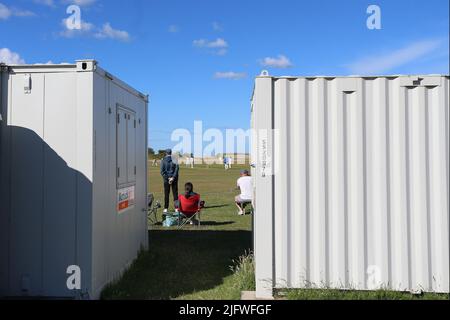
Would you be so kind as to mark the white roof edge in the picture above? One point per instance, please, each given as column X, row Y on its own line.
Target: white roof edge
column 74, row 67
column 355, row 76
column 102, row 72
column 40, row 66
column 345, row 77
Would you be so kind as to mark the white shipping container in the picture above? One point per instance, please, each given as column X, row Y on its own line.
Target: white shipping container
column 351, row 183
column 73, row 179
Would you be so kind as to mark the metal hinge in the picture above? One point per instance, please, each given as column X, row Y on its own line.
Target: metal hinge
column 135, row 170
column 109, row 110
column 135, row 124
column 414, row 81
column 118, row 118
column 27, row 84
column 118, row 172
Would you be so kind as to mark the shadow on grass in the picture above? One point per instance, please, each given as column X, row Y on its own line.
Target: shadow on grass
column 217, row 224
column 216, row 207
column 180, row 263
column 204, row 224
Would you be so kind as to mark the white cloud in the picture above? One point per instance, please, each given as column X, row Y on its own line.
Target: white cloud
column 279, row 62
column 173, row 28
column 86, row 28
column 89, row 29
column 49, row 3
column 7, row 12
column 221, row 52
column 23, row 13
column 230, row 75
column 81, row 3
column 52, row 3
column 200, row 43
column 218, row 43
column 217, row 26
column 218, row 46
column 9, row 57
column 109, row 32
column 381, row 63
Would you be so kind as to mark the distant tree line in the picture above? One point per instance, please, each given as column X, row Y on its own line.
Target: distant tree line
column 152, row 154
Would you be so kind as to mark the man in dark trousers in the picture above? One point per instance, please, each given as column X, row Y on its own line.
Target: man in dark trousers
column 169, row 172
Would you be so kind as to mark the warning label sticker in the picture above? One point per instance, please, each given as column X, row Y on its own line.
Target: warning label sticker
column 125, row 199
column 265, row 160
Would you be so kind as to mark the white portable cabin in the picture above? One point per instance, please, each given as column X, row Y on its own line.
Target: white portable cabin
column 73, row 163
column 351, row 182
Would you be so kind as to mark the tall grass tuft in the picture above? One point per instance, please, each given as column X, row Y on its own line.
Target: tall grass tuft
column 244, row 273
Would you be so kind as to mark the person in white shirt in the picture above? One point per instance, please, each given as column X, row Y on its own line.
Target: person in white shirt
column 245, row 184
column 225, row 163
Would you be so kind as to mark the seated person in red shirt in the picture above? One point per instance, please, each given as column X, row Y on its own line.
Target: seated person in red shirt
column 189, row 203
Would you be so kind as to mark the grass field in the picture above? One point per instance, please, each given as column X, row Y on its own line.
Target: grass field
column 330, row 294
column 194, row 263
column 198, row 263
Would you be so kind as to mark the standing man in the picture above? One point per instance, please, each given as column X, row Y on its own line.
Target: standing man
column 169, row 172
column 245, row 185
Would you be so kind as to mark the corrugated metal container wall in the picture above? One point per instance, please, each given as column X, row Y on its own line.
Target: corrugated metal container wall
column 73, row 179
column 352, row 184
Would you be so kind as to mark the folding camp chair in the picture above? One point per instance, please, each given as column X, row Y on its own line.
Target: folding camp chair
column 153, row 207
column 184, row 220
column 244, row 206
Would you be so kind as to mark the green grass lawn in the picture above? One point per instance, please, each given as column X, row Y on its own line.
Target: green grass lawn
column 331, row 294
column 197, row 262
column 194, row 263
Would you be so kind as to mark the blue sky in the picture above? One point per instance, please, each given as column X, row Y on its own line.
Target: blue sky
column 198, row 58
